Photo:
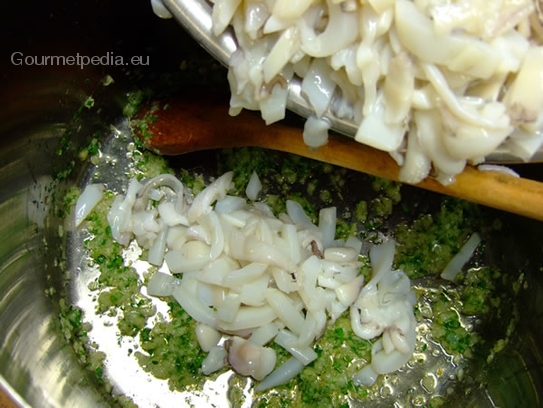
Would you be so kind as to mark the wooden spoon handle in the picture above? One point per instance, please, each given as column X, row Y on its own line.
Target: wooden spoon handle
column 191, row 123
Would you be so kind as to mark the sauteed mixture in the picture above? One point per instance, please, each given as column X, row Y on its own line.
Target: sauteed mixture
column 129, row 338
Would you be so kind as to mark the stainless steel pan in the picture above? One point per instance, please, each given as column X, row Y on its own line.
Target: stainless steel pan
column 37, row 367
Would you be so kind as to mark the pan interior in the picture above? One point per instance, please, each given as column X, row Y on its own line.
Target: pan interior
column 434, row 376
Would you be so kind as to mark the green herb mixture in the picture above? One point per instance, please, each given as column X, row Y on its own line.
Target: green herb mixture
column 447, row 312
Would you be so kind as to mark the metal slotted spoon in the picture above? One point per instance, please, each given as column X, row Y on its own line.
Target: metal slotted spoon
column 195, row 17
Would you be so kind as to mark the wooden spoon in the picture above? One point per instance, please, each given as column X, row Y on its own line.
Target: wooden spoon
column 198, row 122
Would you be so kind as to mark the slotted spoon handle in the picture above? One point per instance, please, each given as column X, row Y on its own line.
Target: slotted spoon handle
column 191, row 123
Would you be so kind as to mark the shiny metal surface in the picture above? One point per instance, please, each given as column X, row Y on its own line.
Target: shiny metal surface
column 195, row 17
column 37, row 367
